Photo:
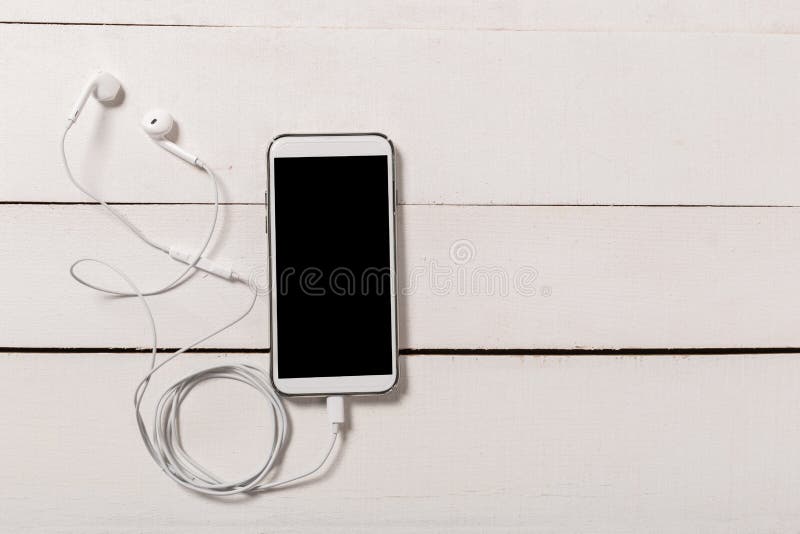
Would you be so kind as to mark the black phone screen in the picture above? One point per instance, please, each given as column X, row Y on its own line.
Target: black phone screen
column 332, row 249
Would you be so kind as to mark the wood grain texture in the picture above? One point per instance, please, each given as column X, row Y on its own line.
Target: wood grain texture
column 470, row 277
column 577, row 15
column 478, row 117
column 45, row 307
column 500, row 444
column 509, row 106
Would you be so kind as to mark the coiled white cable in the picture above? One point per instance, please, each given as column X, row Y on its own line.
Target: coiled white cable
column 164, row 441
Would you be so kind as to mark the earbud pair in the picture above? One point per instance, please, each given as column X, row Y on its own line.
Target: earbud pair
column 156, row 123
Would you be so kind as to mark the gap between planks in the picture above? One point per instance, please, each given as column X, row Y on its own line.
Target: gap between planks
column 401, row 28
column 698, row 351
column 462, row 204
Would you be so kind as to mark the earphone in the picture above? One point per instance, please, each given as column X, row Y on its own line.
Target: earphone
column 103, row 86
column 158, row 124
column 163, row 441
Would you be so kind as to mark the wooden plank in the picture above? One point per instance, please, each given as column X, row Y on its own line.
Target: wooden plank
column 43, row 306
column 492, row 444
column 471, row 277
column 619, row 15
column 478, row 117
column 601, row 277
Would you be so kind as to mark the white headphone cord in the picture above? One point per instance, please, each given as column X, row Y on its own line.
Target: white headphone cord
column 164, row 443
column 139, row 233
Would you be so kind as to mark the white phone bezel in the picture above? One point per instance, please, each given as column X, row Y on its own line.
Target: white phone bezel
column 321, row 146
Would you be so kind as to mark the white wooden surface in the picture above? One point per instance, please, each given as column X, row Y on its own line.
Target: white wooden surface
column 595, row 277
column 478, row 117
column 502, row 444
column 641, row 157
column 769, row 16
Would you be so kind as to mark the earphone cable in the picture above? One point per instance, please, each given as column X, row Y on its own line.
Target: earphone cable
column 137, row 231
column 164, row 443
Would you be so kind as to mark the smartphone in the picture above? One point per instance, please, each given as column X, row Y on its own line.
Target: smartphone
column 331, row 228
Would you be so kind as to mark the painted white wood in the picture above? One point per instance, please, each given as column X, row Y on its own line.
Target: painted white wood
column 529, row 277
column 491, row 444
column 43, row 306
column 605, row 277
column 626, row 15
column 478, row 117
column 605, row 106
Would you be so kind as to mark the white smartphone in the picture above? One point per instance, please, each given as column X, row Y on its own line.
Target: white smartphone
column 331, row 227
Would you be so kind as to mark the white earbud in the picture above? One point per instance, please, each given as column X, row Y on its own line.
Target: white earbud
column 102, row 85
column 158, row 123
